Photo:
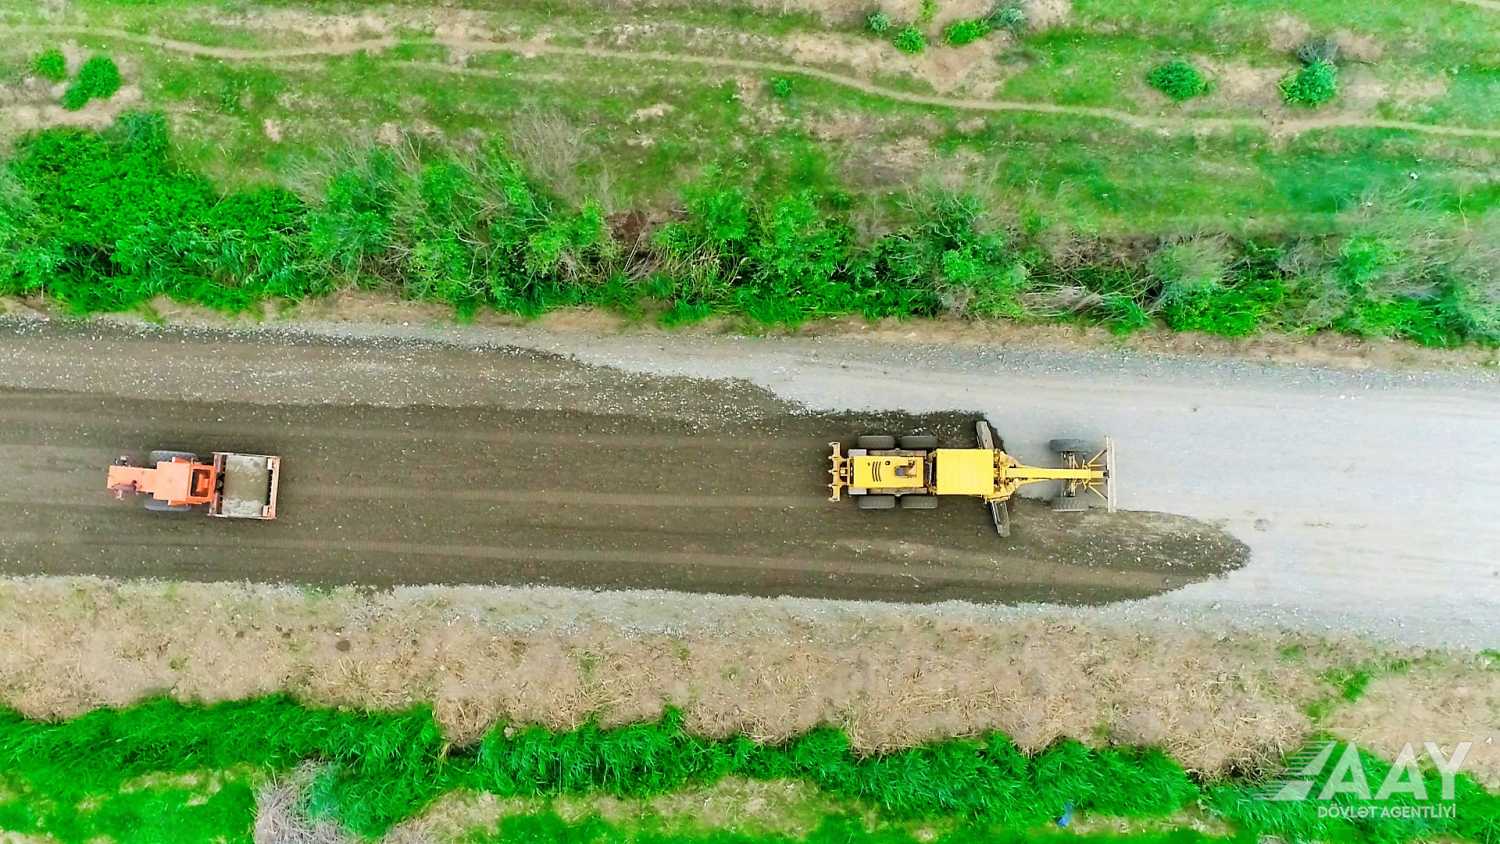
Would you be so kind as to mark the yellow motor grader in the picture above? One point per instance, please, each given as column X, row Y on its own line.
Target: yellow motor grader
column 912, row 472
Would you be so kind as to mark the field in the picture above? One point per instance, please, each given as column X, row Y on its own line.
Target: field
column 785, row 164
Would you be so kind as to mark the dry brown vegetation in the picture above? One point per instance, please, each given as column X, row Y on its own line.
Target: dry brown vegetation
column 891, row 677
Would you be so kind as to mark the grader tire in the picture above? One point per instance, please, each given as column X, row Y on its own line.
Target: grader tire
column 1065, row 445
column 919, row 502
column 156, row 457
column 876, row 502
column 876, row 442
column 1069, row 504
column 919, row 442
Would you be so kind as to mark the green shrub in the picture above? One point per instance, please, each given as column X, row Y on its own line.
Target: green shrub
column 878, row 22
column 98, row 79
column 1177, row 79
column 926, row 12
column 1313, row 85
column 960, row 33
column 781, row 87
column 910, row 40
column 50, row 65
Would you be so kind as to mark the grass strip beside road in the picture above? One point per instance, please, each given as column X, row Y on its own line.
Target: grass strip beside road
column 108, row 220
column 111, row 771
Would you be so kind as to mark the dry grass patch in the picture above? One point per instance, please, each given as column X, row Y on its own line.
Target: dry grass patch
column 1446, row 702
column 891, row 677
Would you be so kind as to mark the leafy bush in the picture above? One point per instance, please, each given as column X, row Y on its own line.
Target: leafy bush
column 960, row 33
column 927, row 10
column 50, row 65
column 878, row 22
column 1319, row 49
column 1313, row 85
column 781, row 87
column 910, row 40
column 98, row 79
column 1177, row 79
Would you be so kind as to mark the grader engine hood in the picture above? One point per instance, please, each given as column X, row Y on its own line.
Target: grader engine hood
column 965, row 471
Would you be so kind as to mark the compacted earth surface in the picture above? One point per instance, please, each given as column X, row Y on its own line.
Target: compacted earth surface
column 551, row 472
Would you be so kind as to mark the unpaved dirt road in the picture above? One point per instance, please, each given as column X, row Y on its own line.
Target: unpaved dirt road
column 547, row 471
column 1367, row 500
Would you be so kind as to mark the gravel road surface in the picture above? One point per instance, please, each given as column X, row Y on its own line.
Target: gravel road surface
column 407, row 462
column 1367, row 501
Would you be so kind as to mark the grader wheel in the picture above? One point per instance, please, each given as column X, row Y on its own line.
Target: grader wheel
column 919, row 502
column 876, row 442
column 875, row 502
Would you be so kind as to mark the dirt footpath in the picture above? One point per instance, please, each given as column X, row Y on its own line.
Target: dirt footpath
column 384, row 496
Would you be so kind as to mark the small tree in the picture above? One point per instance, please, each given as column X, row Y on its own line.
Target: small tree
column 878, row 22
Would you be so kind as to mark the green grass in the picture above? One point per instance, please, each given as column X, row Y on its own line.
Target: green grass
column 910, row 40
column 959, row 33
column 1315, row 84
column 120, row 772
column 50, row 65
column 1348, row 684
column 106, row 221
column 98, row 79
column 1178, row 80
column 1062, row 178
column 1218, row 181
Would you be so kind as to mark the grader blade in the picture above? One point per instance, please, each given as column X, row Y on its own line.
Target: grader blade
column 983, row 434
column 1109, row 472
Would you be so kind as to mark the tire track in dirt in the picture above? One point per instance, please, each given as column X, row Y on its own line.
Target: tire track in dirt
column 527, row 49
